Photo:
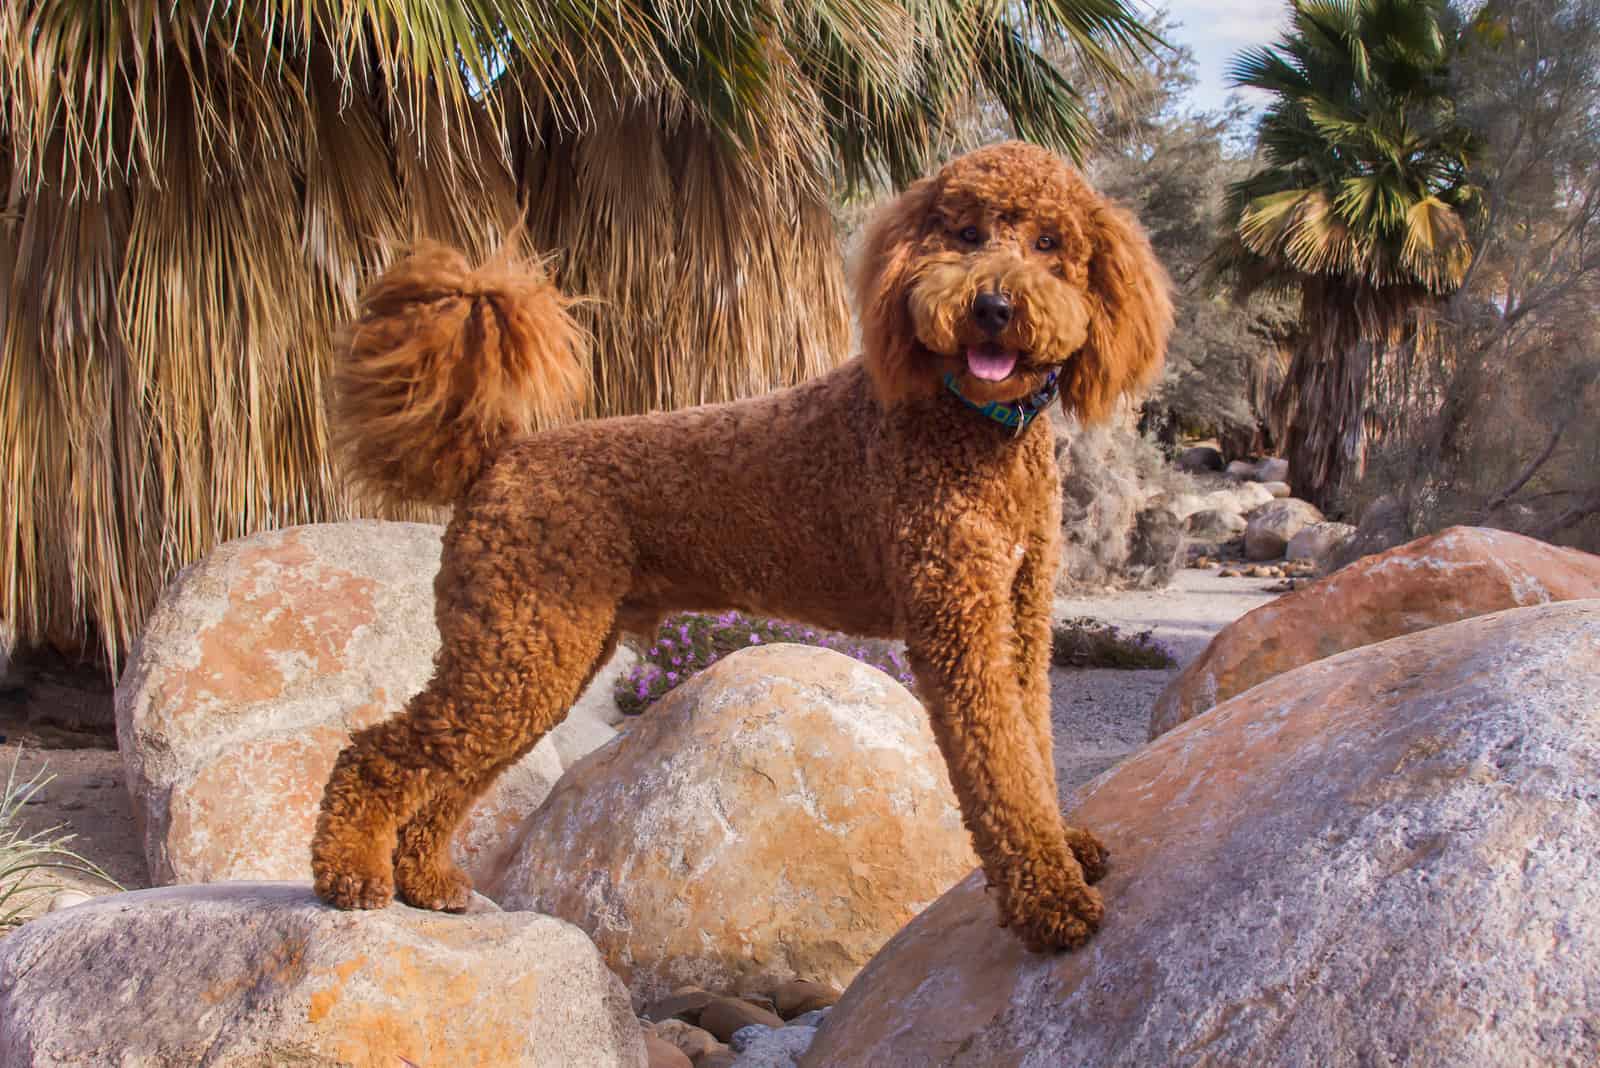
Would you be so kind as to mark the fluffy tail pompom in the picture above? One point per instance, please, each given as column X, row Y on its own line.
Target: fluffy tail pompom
column 445, row 365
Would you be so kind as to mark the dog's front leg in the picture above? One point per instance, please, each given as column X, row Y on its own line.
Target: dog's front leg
column 955, row 599
column 1032, row 598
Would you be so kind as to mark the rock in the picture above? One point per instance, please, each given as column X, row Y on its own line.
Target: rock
column 813, row 1018
column 1383, row 857
column 1384, row 525
column 1240, row 499
column 1241, row 471
column 1279, row 490
column 1318, row 541
column 684, row 1004
column 722, row 1058
column 724, row 1016
column 779, row 816
column 660, row 1053
column 66, row 899
column 1266, row 536
column 1456, row 574
column 694, row 1042
column 257, row 664
column 1200, row 458
column 742, row 1039
column 262, row 974
column 800, row 996
column 1215, row 525
column 1273, row 469
column 782, row 1048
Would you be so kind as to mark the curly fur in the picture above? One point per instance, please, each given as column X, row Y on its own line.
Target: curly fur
column 870, row 500
column 445, row 365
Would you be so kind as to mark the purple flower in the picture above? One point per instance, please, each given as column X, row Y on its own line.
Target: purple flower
column 755, row 639
column 677, row 661
column 672, row 677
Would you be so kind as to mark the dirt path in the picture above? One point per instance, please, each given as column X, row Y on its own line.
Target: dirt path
column 1100, row 716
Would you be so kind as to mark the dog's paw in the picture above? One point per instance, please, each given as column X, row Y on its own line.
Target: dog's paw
column 432, row 884
column 349, row 890
column 1060, row 912
column 1092, row 854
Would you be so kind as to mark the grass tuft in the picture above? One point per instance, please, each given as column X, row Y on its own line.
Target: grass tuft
column 23, row 856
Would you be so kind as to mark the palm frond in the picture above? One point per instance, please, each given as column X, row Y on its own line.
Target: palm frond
column 192, row 194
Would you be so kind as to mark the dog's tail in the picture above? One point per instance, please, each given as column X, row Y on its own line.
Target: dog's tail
column 446, row 364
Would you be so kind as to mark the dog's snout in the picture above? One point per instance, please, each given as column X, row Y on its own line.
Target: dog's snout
column 991, row 311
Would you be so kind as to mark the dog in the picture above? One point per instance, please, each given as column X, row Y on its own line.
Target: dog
column 910, row 493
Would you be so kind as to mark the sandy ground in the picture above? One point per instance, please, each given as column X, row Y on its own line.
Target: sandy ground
column 1100, row 716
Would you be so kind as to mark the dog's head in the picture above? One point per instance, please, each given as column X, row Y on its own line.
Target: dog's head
column 1002, row 267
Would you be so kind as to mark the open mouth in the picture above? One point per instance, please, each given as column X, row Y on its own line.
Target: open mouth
column 990, row 362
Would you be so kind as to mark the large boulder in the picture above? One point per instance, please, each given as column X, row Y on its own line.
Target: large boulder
column 1317, row 542
column 259, row 975
column 252, row 672
column 1214, row 525
column 1272, row 469
column 1200, row 458
column 779, row 816
column 1385, row 524
column 1273, row 525
column 1385, row 857
column 1458, row 573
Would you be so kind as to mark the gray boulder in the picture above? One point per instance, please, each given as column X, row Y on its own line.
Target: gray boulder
column 1388, row 856
column 1271, row 526
column 260, row 975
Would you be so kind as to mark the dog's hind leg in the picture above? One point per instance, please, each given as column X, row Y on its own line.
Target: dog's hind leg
column 425, row 874
column 521, row 634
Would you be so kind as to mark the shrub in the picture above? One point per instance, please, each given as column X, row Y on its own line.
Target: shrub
column 689, row 643
column 23, row 855
column 1090, row 643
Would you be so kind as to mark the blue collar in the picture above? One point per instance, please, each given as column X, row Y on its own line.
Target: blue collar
column 1013, row 415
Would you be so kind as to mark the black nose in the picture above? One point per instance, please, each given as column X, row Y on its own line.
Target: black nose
column 991, row 311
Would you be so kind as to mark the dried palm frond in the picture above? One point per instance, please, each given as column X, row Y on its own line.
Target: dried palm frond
column 192, row 194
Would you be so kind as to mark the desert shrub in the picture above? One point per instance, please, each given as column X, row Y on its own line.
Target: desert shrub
column 1083, row 642
column 689, row 643
column 23, row 855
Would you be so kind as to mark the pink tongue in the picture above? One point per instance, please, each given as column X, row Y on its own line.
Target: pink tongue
column 990, row 366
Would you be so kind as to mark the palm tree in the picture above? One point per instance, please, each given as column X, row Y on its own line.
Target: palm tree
column 192, row 193
column 1360, row 207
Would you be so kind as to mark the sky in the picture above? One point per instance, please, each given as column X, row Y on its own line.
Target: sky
column 1217, row 30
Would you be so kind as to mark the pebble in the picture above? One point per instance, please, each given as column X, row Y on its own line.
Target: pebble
column 65, row 899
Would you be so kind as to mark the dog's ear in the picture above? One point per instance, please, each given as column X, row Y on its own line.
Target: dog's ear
column 884, row 272
column 1130, row 316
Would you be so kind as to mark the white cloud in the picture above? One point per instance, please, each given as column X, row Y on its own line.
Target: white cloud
column 1217, row 31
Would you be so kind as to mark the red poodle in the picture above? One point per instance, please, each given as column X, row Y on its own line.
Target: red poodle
column 910, row 493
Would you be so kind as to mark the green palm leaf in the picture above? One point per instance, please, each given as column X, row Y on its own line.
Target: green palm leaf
column 1361, row 203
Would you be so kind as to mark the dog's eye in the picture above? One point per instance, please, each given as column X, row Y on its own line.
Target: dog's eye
column 1046, row 243
column 970, row 235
